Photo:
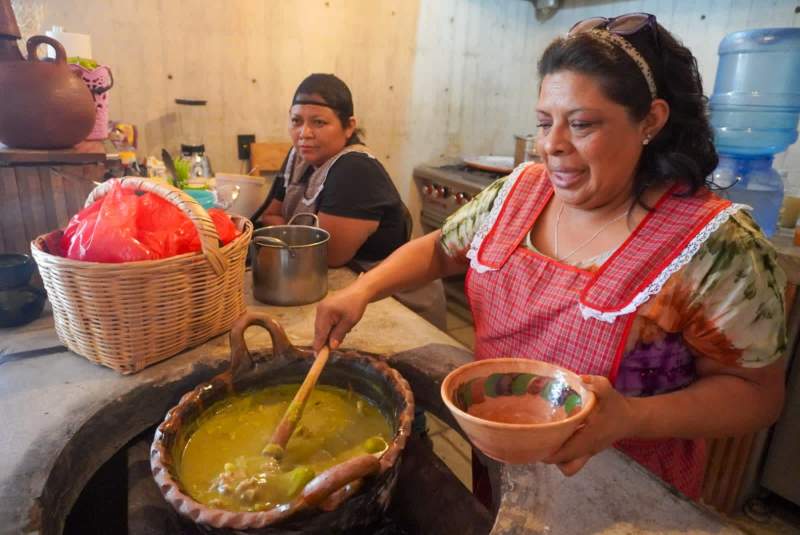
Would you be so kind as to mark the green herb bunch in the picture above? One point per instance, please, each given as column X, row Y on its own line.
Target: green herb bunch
column 181, row 173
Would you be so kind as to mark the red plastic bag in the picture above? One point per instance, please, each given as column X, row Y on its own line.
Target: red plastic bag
column 78, row 220
column 125, row 226
column 164, row 228
column 226, row 230
column 107, row 231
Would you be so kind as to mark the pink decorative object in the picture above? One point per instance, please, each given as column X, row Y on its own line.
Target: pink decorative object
column 99, row 80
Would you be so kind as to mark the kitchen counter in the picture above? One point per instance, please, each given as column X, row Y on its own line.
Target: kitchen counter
column 63, row 417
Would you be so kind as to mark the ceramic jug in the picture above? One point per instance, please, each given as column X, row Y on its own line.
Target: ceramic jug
column 44, row 105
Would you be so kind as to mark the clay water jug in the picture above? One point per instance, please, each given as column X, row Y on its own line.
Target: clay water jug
column 44, row 104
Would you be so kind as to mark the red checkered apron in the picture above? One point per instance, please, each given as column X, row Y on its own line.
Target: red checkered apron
column 527, row 305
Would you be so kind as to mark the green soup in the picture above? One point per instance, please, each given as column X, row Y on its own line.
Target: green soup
column 222, row 464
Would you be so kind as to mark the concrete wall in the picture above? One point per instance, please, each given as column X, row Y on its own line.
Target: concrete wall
column 700, row 24
column 430, row 78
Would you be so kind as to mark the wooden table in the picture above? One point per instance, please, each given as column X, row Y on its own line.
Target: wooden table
column 41, row 189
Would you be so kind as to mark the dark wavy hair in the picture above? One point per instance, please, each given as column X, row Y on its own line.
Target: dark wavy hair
column 684, row 148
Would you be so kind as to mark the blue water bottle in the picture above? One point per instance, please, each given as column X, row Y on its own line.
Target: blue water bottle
column 754, row 112
column 752, row 181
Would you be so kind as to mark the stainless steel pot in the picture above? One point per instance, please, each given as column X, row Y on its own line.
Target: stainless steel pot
column 290, row 263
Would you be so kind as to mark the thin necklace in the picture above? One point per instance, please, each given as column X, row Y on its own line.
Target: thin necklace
column 587, row 242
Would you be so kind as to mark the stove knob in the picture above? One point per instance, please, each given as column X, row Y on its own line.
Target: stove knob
column 427, row 189
column 441, row 192
column 463, row 198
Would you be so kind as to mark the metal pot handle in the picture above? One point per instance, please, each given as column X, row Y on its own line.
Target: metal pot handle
column 270, row 240
column 310, row 214
column 241, row 358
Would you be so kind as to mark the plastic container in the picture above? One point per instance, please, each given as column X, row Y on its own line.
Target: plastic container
column 754, row 182
column 253, row 190
column 756, row 101
column 203, row 196
column 753, row 131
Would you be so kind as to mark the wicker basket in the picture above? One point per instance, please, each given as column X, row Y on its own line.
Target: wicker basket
column 130, row 315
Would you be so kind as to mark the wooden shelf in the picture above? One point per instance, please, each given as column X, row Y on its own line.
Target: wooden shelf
column 86, row 152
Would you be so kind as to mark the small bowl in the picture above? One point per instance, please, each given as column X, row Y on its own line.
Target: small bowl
column 15, row 270
column 516, row 410
column 19, row 306
column 203, row 196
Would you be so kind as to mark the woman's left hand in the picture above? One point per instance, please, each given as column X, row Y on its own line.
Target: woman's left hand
column 613, row 418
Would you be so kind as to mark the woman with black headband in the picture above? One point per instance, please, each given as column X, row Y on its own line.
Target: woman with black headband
column 330, row 173
column 615, row 259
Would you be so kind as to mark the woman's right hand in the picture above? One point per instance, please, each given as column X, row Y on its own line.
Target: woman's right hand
column 337, row 314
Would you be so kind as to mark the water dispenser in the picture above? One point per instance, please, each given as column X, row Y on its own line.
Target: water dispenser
column 754, row 112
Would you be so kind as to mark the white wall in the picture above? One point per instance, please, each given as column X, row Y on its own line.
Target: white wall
column 475, row 76
column 700, row 24
column 430, row 78
column 245, row 57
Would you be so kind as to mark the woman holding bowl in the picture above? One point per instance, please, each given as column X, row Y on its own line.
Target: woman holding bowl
column 613, row 258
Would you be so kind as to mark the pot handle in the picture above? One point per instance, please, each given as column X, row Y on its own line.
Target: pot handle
column 337, row 477
column 241, row 358
column 270, row 240
column 36, row 40
column 101, row 90
column 309, row 214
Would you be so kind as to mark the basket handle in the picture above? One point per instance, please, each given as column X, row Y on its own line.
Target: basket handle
column 209, row 239
column 241, row 359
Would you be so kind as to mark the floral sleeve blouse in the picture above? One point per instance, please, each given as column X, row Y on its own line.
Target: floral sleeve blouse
column 726, row 304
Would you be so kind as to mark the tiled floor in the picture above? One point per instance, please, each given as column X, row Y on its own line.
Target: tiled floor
column 777, row 516
column 447, row 443
column 451, row 448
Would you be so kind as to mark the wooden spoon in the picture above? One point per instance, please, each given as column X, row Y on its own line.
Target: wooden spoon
column 277, row 444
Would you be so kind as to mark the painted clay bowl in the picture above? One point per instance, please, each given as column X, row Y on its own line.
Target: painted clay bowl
column 348, row 496
column 516, row 410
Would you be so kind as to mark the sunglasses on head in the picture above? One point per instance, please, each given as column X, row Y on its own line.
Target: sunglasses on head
column 627, row 24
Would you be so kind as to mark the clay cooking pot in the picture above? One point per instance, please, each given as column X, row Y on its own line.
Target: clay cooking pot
column 347, row 496
column 44, row 105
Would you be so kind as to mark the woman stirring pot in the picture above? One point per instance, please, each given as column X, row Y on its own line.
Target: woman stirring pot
column 614, row 259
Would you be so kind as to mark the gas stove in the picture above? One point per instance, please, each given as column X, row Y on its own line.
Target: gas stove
column 445, row 188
